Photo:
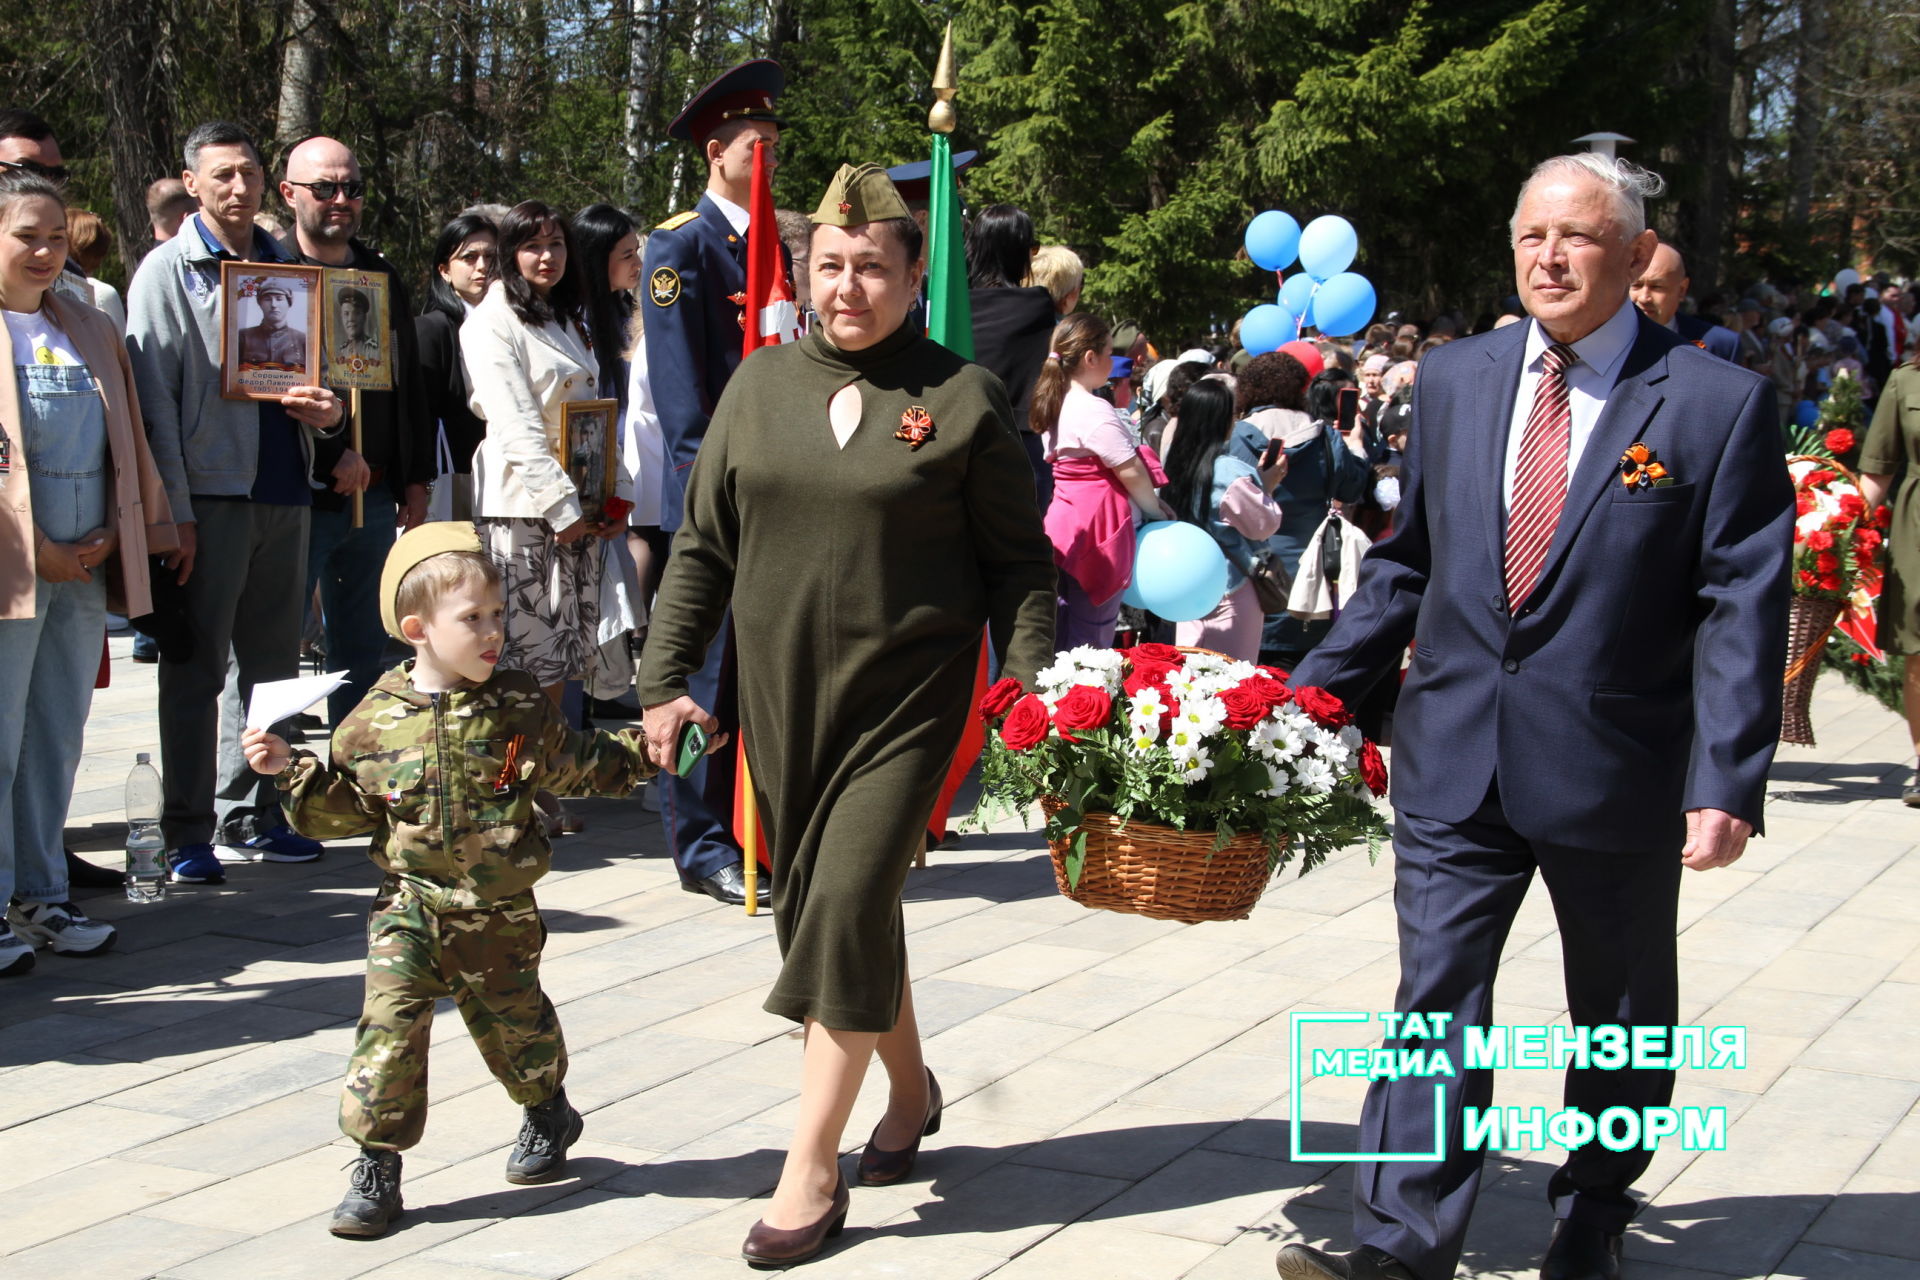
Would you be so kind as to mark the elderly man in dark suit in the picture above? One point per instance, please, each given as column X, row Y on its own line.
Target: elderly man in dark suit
column 1593, row 554
column 1659, row 290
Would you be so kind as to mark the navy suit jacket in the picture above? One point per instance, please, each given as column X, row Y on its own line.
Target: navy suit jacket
column 693, row 284
column 1713, row 338
column 1642, row 677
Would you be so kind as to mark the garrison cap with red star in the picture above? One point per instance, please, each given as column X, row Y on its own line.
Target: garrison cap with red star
column 744, row 92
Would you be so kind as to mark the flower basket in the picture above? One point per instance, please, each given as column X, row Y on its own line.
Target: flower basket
column 1177, row 782
column 1143, row 868
column 1809, row 623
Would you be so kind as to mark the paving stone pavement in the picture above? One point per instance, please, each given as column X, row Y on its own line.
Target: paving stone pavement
column 1117, row 1087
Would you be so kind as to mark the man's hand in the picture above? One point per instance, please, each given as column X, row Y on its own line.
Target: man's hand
column 182, row 559
column 266, row 753
column 351, row 474
column 318, row 407
column 412, row 512
column 663, row 722
column 1714, row 839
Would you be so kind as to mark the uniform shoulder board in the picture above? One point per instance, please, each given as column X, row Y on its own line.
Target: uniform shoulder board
column 678, row 220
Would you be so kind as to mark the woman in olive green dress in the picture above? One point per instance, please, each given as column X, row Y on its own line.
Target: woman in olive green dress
column 1893, row 443
column 863, row 503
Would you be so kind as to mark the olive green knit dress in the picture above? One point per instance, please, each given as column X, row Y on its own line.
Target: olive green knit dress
column 860, row 579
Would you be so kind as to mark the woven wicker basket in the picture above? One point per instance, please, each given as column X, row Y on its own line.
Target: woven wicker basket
column 1162, row 872
column 1809, row 624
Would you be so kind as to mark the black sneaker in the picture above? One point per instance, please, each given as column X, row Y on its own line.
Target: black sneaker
column 548, row 1130
column 373, row 1196
column 1911, row 796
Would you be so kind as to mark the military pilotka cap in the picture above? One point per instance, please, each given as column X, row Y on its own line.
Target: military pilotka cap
column 419, row 543
column 860, row 194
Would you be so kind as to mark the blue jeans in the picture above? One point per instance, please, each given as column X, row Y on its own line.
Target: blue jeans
column 346, row 563
column 51, row 659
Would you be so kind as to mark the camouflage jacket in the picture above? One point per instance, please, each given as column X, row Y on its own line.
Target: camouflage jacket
column 439, row 783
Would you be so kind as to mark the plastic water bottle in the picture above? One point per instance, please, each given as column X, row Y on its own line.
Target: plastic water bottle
column 146, row 849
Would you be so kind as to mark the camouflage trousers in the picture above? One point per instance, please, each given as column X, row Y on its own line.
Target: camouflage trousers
column 489, row 962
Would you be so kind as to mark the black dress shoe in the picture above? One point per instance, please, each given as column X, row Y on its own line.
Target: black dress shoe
column 1304, row 1262
column 82, row 874
column 729, row 885
column 882, row 1168
column 614, row 709
column 1581, row 1251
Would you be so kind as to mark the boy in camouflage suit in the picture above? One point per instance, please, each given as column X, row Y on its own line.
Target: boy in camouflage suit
column 439, row 765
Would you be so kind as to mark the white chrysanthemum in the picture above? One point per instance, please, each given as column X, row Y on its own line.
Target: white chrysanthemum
column 1146, row 702
column 1203, row 715
column 1238, row 671
column 1143, row 738
column 1279, row 781
column 1196, row 766
column 1147, row 726
column 1206, row 663
column 1278, row 740
column 1350, row 738
column 1315, row 775
column 1182, row 740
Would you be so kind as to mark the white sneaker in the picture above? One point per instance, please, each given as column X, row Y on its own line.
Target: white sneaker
column 60, row 926
column 16, row 957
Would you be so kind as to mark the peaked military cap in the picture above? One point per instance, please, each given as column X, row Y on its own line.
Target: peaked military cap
column 744, row 92
column 913, row 179
column 860, row 194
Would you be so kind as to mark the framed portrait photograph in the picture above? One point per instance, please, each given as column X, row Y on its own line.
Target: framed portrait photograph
column 589, row 441
column 269, row 329
column 359, row 330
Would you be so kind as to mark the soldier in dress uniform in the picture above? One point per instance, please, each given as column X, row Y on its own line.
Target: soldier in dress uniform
column 694, row 289
column 356, row 327
column 273, row 341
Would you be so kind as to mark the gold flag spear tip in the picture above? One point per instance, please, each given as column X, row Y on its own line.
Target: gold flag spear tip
column 941, row 118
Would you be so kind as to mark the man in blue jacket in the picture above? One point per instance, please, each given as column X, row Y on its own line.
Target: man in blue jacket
column 1591, row 563
column 694, row 286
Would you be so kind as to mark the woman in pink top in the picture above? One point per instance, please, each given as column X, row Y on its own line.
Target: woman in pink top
column 1101, row 476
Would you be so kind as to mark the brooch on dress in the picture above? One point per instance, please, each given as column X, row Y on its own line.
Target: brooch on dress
column 916, row 427
column 1641, row 468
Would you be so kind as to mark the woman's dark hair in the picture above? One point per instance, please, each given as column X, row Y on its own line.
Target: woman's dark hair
column 1182, row 377
column 564, row 301
column 1275, row 379
column 16, row 184
column 1206, row 420
column 597, row 229
column 1323, row 394
column 440, row 294
column 1073, row 337
column 1000, row 247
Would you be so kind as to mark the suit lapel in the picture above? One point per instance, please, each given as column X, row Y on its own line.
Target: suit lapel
column 1501, row 383
column 1631, row 404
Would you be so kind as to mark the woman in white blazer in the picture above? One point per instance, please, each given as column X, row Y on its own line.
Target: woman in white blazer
column 527, row 353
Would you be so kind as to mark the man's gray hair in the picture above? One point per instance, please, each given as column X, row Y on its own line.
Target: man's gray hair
column 1629, row 184
column 217, row 133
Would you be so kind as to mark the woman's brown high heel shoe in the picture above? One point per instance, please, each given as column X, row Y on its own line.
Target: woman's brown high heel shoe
column 880, row 1168
column 772, row 1247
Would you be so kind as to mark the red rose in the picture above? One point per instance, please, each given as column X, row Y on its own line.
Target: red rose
column 1802, row 503
column 1084, row 707
column 1276, row 673
column 1274, row 691
column 1160, row 654
column 1025, row 725
column 1154, row 679
column 1826, row 562
column 1839, row 440
column 1005, row 692
column 1373, row 770
column 1153, row 672
column 1820, row 540
column 1325, row 710
column 1245, row 707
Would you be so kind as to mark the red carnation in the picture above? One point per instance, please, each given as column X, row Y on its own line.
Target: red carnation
column 1802, row 502
column 1373, row 770
column 1246, row 707
column 1830, row 583
column 1084, row 707
column 1807, row 579
column 1853, row 506
column 1819, row 479
column 1161, row 654
column 1820, row 540
column 1005, row 692
column 1325, row 710
column 1839, row 440
column 1826, row 562
column 1862, row 659
column 1869, row 538
column 1882, row 516
column 1026, row 724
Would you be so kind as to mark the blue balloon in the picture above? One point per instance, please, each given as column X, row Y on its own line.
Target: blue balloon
column 1273, row 240
column 1296, row 295
column 1179, row 571
column 1344, row 304
column 1806, row 413
column 1265, row 328
column 1327, row 246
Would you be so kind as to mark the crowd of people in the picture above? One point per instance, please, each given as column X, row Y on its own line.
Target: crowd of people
column 998, row 495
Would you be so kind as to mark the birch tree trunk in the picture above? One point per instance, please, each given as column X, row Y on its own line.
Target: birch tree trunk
column 303, row 64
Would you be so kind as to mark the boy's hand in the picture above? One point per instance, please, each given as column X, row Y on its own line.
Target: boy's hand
column 266, row 752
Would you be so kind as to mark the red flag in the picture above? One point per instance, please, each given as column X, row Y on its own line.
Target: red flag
column 771, row 316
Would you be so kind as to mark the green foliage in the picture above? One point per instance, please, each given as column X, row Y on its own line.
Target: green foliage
column 1881, row 680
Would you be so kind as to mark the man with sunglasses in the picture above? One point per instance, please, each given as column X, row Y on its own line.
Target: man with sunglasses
column 327, row 194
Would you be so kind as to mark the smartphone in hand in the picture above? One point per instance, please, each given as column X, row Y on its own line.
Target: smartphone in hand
column 692, row 745
column 1272, row 454
column 1347, row 407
